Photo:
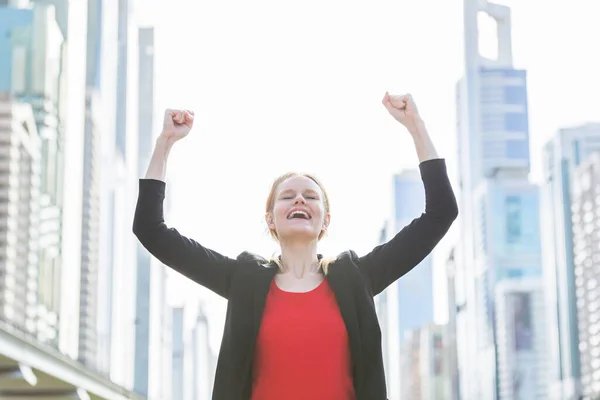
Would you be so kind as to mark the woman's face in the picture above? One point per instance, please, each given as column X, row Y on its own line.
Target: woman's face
column 298, row 210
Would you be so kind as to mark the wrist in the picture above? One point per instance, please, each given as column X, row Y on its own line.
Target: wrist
column 165, row 139
column 417, row 128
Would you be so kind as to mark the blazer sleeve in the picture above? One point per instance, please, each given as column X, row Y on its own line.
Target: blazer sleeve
column 389, row 261
column 184, row 255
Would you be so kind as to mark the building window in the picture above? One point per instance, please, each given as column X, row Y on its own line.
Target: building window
column 515, row 95
column 513, row 219
column 576, row 153
column 516, row 122
column 517, row 149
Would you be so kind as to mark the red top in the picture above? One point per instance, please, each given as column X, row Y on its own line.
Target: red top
column 302, row 349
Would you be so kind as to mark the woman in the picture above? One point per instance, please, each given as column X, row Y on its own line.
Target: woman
column 299, row 326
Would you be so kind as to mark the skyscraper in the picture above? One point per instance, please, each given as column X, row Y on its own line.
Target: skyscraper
column 106, row 41
column 386, row 304
column 425, row 375
column 500, row 244
column 395, row 305
column 30, row 72
column 90, row 218
column 452, row 326
column 20, row 146
column 178, row 366
column 160, row 340
column 122, row 188
column 416, row 287
column 561, row 156
column 150, row 317
column 586, row 250
column 72, row 20
column 521, row 343
column 200, row 360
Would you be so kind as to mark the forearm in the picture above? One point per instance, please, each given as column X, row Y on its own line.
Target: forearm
column 157, row 169
column 423, row 143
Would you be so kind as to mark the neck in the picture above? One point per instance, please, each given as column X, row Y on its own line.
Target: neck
column 299, row 258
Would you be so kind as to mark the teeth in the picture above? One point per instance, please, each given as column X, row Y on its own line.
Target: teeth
column 298, row 213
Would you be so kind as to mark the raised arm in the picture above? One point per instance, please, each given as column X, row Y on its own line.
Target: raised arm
column 388, row 262
column 184, row 255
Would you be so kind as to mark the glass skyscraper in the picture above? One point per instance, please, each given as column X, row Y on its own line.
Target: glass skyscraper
column 30, row 73
column 416, row 287
column 562, row 155
column 499, row 254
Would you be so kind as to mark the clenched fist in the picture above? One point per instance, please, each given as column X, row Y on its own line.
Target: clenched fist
column 404, row 110
column 177, row 124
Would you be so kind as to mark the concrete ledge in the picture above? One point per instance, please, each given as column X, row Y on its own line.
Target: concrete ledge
column 30, row 369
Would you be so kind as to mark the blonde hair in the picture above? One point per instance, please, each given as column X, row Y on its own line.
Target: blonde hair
column 323, row 262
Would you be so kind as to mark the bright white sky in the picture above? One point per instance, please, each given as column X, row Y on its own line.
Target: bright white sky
column 286, row 85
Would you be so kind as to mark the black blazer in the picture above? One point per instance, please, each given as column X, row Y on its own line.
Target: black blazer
column 244, row 282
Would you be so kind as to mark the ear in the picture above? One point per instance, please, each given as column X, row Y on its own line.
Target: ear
column 269, row 220
column 326, row 221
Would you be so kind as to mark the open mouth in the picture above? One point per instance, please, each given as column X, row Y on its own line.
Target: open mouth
column 298, row 214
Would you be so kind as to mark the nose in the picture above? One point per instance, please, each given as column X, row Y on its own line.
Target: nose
column 299, row 199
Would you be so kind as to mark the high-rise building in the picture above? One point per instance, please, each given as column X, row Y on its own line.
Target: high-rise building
column 395, row 305
column 425, row 375
column 106, row 42
column 178, row 354
column 30, row 67
column 161, row 336
column 416, row 287
column 451, row 328
column 90, row 218
column 586, row 252
column 72, row 19
column 146, row 128
column 387, row 312
column 151, row 275
column 381, row 307
column 122, row 189
column 561, row 157
column 144, row 259
column 521, row 344
column 20, row 149
column 15, row 3
column 499, row 211
column 200, row 360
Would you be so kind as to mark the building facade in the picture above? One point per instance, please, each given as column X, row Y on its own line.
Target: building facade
column 20, row 149
column 585, row 205
column 122, row 193
column 562, row 155
column 416, row 287
column 424, row 354
column 90, row 213
column 31, row 49
column 499, row 207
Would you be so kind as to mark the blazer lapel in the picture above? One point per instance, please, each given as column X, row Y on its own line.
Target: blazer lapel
column 262, row 283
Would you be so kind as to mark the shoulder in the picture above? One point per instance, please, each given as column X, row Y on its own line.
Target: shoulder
column 346, row 268
column 348, row 256
column 250, row 259
column 345, row 263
